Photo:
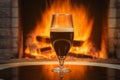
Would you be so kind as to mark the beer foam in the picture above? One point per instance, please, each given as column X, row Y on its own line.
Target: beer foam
column 61, row 30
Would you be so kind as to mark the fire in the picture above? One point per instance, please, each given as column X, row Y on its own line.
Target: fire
column 82, row 30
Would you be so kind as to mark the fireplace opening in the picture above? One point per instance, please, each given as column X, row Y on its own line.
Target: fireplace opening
column 90, row 20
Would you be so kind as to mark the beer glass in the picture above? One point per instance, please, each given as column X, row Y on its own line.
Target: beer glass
column 61, row 35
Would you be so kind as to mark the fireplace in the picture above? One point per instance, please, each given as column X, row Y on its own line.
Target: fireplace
column 91, row 23
column 100, row 44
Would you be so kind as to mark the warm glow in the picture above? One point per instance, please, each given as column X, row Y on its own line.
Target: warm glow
column 75, row 69
column 82, row 30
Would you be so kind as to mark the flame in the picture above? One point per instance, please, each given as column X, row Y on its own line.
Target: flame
column 82, row 30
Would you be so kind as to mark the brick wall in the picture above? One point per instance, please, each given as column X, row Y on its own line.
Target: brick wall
column 9, row 28
column 114, row 29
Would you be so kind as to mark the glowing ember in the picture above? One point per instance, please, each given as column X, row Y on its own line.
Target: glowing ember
column 39, row 48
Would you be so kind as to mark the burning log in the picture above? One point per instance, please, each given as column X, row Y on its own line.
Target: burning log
column 47, row 52
column 42, row 48
column 42, row 38
column 79, row 55
column 45, row 49
column 77, row 43
column 39, row 38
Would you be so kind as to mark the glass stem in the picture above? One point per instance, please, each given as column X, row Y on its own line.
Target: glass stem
column 61, row 63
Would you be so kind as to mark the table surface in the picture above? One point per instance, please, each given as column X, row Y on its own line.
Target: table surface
column 43, row 72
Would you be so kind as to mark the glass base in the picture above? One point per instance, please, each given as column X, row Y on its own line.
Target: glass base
column 59, row 70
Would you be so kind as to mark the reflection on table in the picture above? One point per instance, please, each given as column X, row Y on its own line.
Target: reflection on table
column 43, row 72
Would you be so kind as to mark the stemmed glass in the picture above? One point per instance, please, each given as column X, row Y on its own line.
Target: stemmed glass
column 61, row 35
